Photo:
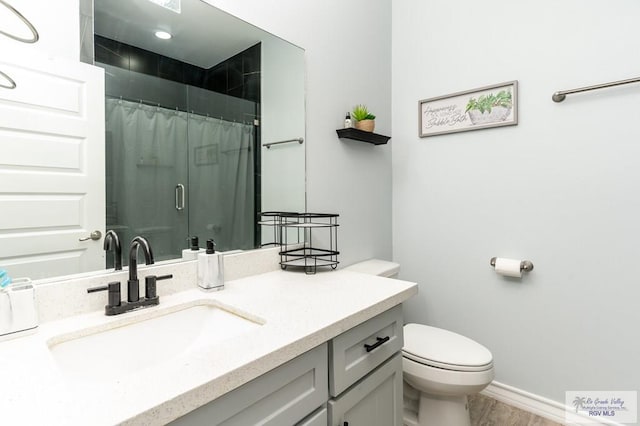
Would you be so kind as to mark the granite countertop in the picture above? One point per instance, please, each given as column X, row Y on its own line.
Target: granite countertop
column 298, row 312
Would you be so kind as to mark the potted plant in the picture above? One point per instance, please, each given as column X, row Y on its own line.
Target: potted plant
column 364, row 119
column 490, row 108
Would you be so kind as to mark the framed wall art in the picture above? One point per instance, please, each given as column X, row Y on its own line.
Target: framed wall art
column 482, row 108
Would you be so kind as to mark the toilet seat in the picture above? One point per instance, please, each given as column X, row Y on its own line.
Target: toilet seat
column 445, row 366
column 444, row 349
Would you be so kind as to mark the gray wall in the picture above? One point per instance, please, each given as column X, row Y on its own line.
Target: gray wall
column 561, row 189
column 346, row 177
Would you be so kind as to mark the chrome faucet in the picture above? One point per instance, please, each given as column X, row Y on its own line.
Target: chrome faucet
column 133, row 285
column 112, row 242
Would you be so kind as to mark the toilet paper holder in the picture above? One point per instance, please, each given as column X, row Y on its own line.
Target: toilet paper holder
column 525, row 265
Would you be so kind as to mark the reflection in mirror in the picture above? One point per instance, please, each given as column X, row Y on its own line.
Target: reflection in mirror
column 184, row 125
column 186, row 119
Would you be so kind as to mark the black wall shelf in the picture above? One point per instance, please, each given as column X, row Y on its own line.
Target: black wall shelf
column 359, row 135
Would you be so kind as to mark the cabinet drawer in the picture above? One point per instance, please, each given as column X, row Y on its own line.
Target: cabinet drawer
column 319, row 418
column 375, row 400
column 356, row 352
column 282, row 396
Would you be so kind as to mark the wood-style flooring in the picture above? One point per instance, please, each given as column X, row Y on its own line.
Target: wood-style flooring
column 485, row 411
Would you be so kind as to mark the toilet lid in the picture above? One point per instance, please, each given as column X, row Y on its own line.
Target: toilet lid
column 444, row 349
column 378, row 267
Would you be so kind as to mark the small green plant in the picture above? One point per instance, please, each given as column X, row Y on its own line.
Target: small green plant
column 486, row 102
column 360, row 112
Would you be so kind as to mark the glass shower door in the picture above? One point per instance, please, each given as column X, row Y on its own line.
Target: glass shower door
column 147, row 178
column 222, row 148
column 171, row 143
column 221, row 172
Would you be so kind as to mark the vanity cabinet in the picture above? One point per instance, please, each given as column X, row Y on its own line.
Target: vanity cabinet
column 356, row 352
column 319, row 418
column 355, row 378
column 283, row 396
column 374, row 401
column 365, row 373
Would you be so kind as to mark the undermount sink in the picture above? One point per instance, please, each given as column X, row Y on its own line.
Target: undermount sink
column 134, row 344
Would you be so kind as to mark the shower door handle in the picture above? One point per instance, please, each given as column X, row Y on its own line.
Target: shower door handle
column 179, row 197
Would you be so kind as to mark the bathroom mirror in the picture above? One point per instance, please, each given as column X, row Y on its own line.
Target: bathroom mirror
column 187, row 121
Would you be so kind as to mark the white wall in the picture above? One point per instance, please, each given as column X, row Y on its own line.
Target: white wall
column 348, row 51
column 562, row 188
column 282, row 106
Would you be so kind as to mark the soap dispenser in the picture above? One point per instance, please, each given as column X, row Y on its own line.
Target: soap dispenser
column 210, row 269
column 192, row 252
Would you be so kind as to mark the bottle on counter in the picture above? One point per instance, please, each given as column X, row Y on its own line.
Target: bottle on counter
column 210, row 268
column 192, row 252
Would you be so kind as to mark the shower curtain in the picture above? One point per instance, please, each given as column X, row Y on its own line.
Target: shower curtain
column 221, row 181
column 152, row 149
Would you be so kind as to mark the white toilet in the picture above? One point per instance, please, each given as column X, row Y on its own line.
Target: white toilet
column 440, row 368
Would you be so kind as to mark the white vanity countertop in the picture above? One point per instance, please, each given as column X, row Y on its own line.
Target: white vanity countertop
column 300, row 312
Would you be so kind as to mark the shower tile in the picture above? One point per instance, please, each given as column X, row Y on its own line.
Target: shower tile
column 252, row 87
column 234, row 73
column 216, row 79
column 237, row 92
column 170, row 69
column 111, row 52
column 194, row 76
column 144, row 62
column 251, row 59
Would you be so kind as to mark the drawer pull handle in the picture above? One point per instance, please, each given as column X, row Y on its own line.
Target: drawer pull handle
column 381, row 341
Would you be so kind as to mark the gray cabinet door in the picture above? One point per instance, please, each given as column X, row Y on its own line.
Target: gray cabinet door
column 375, row 401
column 319, row 418
column 349, row 358
column 282, row 396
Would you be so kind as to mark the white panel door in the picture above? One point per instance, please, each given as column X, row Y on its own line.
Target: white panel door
column 52, row 180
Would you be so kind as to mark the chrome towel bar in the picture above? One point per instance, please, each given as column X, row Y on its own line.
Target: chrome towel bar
column 560, row 96
column 268, row 145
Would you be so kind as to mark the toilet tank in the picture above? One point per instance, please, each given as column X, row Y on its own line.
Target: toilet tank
column 382, row 268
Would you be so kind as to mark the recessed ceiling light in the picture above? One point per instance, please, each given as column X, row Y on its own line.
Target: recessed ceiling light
column 163, row 35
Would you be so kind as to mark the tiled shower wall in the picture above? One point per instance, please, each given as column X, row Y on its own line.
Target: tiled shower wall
column 238, row 76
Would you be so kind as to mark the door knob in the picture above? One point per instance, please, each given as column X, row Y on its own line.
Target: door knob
column 95, row 235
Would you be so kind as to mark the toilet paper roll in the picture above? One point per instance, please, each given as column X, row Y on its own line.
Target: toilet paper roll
column 508, row 267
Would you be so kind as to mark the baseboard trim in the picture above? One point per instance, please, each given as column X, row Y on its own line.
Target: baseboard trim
column 539, row 405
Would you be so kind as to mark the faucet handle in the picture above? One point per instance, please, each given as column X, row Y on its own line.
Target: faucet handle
column 114, row 292
column 150, row 284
